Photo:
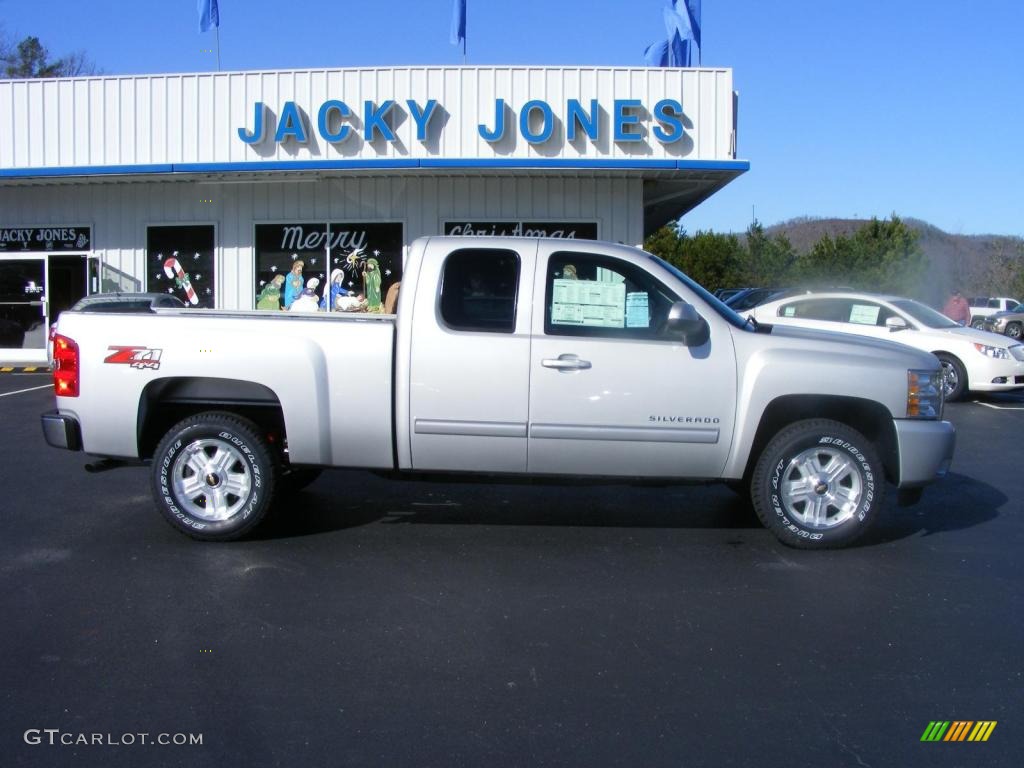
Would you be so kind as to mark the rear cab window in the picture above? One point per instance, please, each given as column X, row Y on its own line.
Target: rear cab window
column 478, row 291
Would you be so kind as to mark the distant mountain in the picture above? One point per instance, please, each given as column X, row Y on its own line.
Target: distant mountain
column 982, row 265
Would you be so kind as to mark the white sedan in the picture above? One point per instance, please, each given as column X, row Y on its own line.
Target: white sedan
column 973, row 360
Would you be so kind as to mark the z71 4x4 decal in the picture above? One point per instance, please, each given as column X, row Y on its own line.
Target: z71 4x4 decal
column 136, row 357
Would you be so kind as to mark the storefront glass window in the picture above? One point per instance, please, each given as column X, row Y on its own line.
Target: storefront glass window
column 180, row 261
column 360, row 260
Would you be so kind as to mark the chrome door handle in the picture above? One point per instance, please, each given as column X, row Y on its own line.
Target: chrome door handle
column 566, row 363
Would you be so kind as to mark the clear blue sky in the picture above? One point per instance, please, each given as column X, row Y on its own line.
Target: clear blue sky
column 846, row 108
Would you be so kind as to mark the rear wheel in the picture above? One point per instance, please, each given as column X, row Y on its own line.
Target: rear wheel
column 954, row 377
column 214, row 476
column 979, row 323
column 1013, row 330
column 818, row 484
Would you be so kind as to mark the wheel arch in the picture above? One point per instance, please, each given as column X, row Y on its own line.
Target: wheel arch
column 871, row 419
column 167, row 401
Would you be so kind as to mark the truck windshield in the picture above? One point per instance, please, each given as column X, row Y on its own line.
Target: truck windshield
column 715, row 304
column 925, row 315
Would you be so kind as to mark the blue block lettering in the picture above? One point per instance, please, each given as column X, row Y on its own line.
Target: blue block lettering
column 290, row 124
column 373, row 120
column 547, row 121
column 323, row 121
column 577, row 117
column 499, row 123
column 421, row 117
column 668, row 112
column 258, row 126
column 624, row 119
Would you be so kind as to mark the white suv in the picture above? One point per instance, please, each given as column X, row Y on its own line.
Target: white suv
column 985, row 306
column 973, row 360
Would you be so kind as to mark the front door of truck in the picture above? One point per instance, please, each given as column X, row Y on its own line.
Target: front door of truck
column 613, row 392
column 469, row 372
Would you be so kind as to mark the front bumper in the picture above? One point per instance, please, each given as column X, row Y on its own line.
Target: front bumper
column 925, row 450
column 62, row 431
column 990, row 375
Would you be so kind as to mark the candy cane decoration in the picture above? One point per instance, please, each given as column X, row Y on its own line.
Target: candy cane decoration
column 172, row 268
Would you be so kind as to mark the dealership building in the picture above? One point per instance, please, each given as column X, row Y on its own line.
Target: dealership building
column 206, row 186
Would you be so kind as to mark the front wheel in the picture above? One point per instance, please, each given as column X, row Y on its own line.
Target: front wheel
column 978, row 323
column 954, row 377
column 818, row 484
column 214, row 476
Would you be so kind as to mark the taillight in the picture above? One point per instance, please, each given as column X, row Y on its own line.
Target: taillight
column 65, row 366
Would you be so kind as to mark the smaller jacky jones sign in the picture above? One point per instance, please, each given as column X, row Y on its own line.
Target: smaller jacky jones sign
column 41, row 239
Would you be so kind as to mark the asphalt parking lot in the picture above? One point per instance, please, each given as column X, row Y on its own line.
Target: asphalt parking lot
column 426, row 624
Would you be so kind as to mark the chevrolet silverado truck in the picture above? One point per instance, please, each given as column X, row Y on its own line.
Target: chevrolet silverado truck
column 506, row 357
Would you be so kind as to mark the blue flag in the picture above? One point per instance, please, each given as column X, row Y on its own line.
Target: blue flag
column 656, row 54
column 682, row 35
column 459, row 22
column 209, row 15
column 693, row 6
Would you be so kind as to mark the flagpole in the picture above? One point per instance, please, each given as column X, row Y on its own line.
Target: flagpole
column 465, row 36
column 218, row 45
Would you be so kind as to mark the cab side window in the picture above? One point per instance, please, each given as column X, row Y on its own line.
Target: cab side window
column 591, row 295
column 479, row 287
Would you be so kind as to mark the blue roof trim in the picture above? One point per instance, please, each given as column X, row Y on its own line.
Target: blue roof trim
column 85, row 170
column 540, row 163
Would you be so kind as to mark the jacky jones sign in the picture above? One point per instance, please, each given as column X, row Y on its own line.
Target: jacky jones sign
column 537, row 121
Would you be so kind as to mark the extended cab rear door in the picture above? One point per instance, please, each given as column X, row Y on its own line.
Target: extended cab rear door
column 613, row 392
column 469, row 370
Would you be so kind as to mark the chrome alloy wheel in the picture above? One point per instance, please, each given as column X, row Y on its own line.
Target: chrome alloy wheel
column 821, row 488
column 950, row 378
column 211, row 479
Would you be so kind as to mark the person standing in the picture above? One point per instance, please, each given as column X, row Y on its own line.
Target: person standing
column 957, row 309
column 293, row 283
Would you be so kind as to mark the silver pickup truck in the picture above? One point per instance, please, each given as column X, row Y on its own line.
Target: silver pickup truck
column 506, row 357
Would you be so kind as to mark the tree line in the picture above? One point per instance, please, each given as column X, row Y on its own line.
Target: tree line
column 29, row 59
column 883, row 255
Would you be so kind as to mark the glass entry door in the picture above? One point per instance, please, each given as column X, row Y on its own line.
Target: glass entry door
column 23, row 303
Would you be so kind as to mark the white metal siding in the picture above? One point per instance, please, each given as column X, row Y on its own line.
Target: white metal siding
column 120, row 212
column 194, row 118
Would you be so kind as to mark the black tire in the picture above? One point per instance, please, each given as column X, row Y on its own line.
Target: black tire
column 1013, row 330
column 233, row 456
column 292, row 480
column 954, row 376
column 979, row 323
column 860, row 480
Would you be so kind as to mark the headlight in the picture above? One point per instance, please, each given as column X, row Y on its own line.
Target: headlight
column 996, row 353
column 924, row 394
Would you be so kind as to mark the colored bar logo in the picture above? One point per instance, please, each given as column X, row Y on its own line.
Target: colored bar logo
column 958, row 730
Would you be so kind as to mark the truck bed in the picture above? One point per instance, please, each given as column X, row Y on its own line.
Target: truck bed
column 332, row 374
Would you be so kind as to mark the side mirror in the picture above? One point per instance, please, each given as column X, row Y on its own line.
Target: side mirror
column 684, row 320
column 896, row 324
